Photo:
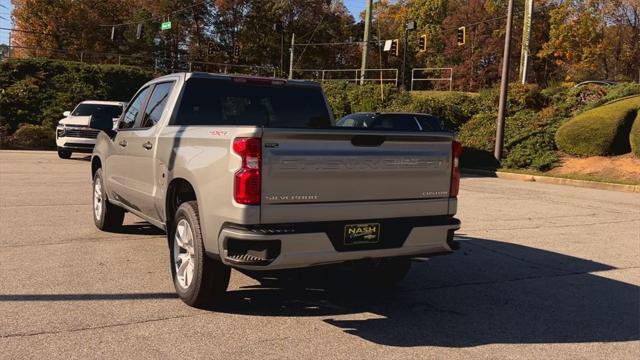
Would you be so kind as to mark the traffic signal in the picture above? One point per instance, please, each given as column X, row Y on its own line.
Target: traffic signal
column 211, row 48
column 395, row 49
column 462, row 35
column 422, row 43
column 236, row 51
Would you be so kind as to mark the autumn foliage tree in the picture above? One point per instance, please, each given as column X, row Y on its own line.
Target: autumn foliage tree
column 572, row 40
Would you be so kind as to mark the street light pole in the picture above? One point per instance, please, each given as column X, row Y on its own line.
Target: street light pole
column 504, row 85
column 293, row 45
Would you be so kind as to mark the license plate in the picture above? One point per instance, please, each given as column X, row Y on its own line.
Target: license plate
column 361, row 233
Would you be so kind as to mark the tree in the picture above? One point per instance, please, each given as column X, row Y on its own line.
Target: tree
column 594, row 39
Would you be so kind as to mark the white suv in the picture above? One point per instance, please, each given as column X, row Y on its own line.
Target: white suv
column 73, row 133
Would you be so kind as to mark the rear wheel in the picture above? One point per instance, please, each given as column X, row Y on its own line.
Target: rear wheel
column 64, row 154
column 199, row 280
column 106, row 216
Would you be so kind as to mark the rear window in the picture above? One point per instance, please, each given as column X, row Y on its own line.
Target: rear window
column 113, row 111
column 392, row 122
column 226, row 102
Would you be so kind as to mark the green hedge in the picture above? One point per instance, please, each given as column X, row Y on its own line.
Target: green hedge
column 601, row 131
column 634, row 136
column 528, row 140
column 38, row 91
column 347, row 98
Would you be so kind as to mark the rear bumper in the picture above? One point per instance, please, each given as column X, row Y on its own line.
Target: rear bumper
column 282, row 246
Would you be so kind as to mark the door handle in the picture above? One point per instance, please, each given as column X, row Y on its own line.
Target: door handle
column 123, row 143
column 147, row 145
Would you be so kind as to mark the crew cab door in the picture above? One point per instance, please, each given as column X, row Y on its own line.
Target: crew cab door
column 134, row 169
column 117, row 169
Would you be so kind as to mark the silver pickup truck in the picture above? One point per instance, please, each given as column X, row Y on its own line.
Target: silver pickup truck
column 252, row 173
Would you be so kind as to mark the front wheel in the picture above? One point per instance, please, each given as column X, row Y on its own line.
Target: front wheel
column 199, row 280
column 106, row 216
column 64, row 154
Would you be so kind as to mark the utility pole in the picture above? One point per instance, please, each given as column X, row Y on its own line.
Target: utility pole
column 410, row 26
column 504, row 84
column 293, row 45
column 279, row 29
column 365, row 46
column 526, row 40
column 281, row 54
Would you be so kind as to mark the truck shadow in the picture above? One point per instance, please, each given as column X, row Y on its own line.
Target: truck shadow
column 488, row 292
column 140, row 228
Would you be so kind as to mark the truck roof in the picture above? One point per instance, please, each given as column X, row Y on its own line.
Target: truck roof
column 102, row 102
column 194, row 74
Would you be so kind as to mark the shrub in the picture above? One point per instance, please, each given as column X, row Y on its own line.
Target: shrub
column 634, row 136
column 600, row 131
column 527, row 96
column 454, row 109
column 570, row 100
column 37, row 91
column 528, row 140
column 29, row 136
column 479, row 132
column 347, row 98
column 614, row 93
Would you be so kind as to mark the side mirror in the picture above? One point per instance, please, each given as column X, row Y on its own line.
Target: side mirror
column 102, row 122
column 66, row 113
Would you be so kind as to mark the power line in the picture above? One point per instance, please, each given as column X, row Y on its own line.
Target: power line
column 156, row 17
column 25, row 31
column 332, row 43
column 311, row 38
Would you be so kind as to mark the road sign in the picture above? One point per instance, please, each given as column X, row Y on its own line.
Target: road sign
column 165, row 25
column 387, row 45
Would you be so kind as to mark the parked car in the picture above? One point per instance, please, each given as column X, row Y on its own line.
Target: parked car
column 252, row 173
column 391, row 121
column 73, row 133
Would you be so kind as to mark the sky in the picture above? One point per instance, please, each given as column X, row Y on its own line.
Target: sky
column 355, row 6
column 5, row 20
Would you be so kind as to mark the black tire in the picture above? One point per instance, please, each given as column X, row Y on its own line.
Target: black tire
column 111, row 216
column 64, row 154
column 210, row 277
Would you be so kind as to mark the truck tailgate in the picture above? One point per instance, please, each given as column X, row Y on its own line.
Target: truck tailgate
column 337, row 166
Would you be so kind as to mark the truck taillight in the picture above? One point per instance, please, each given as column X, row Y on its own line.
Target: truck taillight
column 456, row 152
column 247, row 178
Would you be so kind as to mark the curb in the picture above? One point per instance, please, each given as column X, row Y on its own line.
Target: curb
column 555, row 180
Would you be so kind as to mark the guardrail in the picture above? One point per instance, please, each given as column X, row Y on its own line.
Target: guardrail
column 415, row 79
column 351, row 75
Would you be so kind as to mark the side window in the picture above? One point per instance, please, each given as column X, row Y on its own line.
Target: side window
column 156, row 104
column 135, row 106
column 350, row 122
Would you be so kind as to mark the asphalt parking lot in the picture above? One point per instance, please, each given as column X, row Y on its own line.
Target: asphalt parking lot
column 544, row 271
